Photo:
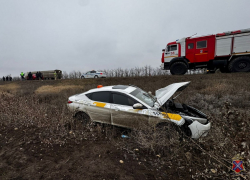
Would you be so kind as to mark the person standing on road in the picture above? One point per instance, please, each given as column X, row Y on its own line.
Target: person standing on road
column 37, row 75
column 7, row 78
column 59, row 75
column 22, row 76
column 41, row 75
column 55, row 75
column 3, row 78
column 30, row 76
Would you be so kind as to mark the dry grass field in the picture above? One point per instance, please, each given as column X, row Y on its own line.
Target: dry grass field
column 39, row 138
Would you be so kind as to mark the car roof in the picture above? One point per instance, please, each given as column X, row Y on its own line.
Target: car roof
column 93, row 70
column 115, row 88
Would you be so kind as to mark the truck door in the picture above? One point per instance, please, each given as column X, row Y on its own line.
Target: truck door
column 171, row 52
column 201, row 50
column 190, row 50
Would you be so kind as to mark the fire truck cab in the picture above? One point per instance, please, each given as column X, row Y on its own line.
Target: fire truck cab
column 228, row 51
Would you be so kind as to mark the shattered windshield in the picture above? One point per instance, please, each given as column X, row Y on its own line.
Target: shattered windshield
column 143, row 96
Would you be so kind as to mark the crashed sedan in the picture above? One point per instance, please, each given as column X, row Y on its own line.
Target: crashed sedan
column 128, row 106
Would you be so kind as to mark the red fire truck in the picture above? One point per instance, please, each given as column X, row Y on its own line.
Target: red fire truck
column 228, row 51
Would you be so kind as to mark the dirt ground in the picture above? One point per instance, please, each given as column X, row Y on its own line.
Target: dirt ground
column 96, row 159
column 40, row 140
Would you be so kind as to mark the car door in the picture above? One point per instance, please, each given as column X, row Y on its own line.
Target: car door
column 87, row 75
column 99, row 107
column 123, row 114
column 92, row 74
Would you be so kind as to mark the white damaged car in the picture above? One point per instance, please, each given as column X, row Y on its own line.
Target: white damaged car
column 128, row 106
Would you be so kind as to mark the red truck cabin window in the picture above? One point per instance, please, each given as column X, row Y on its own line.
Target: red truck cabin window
column 172, row 48
column 201, row 44
column 190, row 45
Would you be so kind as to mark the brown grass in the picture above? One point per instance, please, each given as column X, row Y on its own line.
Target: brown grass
column 55, row 89
column 10, row 87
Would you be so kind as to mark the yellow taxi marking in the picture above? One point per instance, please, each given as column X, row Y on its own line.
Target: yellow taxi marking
column 175, row 117
column 170, row 56
column 98, row 104
column 200, row 54
column 135, row 110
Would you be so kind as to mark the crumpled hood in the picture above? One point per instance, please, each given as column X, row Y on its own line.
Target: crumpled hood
column 164, row 94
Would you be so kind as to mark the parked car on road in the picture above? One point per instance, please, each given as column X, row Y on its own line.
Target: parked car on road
column 93, row 74
column 129, row 106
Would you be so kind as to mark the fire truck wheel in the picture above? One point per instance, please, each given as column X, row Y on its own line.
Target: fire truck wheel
column 240, row 64
column 178, row 68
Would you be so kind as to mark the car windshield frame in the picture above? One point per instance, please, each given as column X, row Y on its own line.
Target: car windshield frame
column 143, row 96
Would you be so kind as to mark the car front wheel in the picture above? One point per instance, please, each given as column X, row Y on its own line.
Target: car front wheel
column 96, row 77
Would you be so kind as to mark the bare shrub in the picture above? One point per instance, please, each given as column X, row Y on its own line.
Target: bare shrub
column 157, row 140
column 65, row 75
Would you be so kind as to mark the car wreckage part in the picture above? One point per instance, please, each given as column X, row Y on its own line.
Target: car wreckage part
column 200, row 120
column 199, row 129
column 196, row 123
column 184, row 110
column 195, row 129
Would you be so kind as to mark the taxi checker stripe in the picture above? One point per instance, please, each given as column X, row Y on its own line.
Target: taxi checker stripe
column 237, row 165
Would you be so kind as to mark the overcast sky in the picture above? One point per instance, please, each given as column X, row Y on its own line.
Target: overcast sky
column 105, row 34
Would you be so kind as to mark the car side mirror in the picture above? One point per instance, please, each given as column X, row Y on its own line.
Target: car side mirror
column 138, row 106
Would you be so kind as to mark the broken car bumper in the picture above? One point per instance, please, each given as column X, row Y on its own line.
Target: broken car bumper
column 199, row 129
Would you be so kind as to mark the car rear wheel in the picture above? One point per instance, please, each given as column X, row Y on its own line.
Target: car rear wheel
column 178, row 68
column 82, row 77
column 82, row 118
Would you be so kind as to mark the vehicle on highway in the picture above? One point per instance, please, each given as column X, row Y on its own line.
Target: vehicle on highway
column 228, row 51
column 94, row 74
column 128, row 106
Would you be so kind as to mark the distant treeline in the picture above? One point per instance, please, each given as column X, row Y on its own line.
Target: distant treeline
column 133, row 72
column 120, row 72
